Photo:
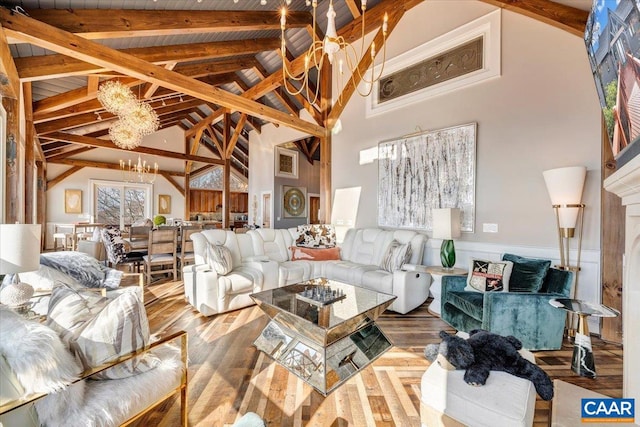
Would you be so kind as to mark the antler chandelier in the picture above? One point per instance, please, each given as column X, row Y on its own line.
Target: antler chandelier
column 333, row 46
column 136, row 118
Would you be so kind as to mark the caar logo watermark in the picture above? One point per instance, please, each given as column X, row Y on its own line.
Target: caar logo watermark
column 608, row 410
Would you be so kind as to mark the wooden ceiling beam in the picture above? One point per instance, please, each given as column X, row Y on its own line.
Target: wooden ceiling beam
column 103, row 143
column 353, row 8
column 151, row 88
column 168, row 176
column 62, row 176
column 103, row 165
column 62, row 65
column 9, row 76
column 234, row 138
column 221, row 66
column 119, row 23
column 558, row 15
column 68, row 154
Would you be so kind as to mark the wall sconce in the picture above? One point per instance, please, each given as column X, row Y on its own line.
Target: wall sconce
column 446, row 226
column 565, row 186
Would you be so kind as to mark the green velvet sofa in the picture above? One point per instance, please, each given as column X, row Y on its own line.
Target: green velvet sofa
column 523, row 311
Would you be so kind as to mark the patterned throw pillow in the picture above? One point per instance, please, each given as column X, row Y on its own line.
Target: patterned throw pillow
column 314, row 254
column 316, row 236
column 219, row 259
column 114, row 244
column 99, row 330
column 397, row 255
column 488, row 276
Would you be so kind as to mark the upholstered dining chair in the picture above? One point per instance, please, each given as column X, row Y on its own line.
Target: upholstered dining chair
column 116, row 251
column 162, row 251
column 186, row 245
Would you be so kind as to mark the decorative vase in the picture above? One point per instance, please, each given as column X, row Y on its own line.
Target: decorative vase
column 447, row 254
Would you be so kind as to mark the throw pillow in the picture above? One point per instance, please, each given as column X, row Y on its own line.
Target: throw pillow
column 488, row 276
column 397, row 255
column 100, row 330
column 219, row 259
column 84, row 268
column 316, row 236
column 314, row 254
column 528, row 273
column 114, row 244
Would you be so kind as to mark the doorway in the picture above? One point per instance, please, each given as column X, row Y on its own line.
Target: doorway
column 266, row 210
column 314, row 208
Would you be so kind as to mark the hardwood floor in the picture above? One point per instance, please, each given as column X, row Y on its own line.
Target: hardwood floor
column 229, row 377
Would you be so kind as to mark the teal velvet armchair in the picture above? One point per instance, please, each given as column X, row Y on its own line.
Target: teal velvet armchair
column 526, row 315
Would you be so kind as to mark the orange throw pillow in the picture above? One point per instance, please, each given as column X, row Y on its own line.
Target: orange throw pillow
column 316, row 254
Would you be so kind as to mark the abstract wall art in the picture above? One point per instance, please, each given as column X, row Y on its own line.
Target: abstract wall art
column 418, row 173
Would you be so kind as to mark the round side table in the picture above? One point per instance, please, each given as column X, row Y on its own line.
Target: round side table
column 437, row 273
column 582, row 362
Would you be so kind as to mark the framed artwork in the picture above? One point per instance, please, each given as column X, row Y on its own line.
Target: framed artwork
column 613, row 46
column 286, row 163
column 294, row 203
column 72, row 201
column 164, row 204
column 432, row 169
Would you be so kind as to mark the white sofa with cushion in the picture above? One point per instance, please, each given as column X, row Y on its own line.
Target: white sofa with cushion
column 211, row 292
column 262, row 259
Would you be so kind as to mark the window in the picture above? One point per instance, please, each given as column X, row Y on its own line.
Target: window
column 120, row 203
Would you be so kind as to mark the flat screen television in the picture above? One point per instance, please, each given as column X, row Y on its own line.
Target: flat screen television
column 612, row 37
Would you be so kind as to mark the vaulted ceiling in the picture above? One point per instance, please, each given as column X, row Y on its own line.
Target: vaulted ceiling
column 213, row 68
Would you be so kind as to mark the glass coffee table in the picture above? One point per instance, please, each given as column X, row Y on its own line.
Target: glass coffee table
column 323, row 331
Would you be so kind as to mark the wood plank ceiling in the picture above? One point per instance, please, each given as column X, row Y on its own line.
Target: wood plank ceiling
column 197, row 63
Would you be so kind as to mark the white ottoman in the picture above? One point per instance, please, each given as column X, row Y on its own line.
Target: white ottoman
column 505, row 400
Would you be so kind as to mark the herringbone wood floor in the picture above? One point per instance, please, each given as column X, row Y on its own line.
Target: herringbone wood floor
column 229, row 377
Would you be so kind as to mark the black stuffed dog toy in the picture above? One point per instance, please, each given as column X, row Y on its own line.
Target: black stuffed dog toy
column 484, row 352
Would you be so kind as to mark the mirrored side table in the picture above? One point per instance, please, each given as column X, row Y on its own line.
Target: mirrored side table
column 582, row 362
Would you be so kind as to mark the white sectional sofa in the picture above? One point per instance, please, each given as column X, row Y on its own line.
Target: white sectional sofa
column 262, row 260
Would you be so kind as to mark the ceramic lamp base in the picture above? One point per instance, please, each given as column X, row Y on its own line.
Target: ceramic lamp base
column 447, row 254
column 16, row 294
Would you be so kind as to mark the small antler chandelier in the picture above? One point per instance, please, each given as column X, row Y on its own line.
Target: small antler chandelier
column 333, row 46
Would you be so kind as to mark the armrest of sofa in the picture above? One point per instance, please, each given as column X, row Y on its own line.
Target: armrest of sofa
column 181, row 387
column 411, row 287
column 269, row 270
column 452, row 283
column 528, row 316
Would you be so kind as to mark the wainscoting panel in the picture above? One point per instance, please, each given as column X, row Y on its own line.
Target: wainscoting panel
column 588, row 286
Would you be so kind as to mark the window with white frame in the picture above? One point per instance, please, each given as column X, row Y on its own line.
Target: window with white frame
column 120, row 203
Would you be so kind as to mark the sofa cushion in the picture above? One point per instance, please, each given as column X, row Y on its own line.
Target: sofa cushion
column 291, row 272
column 488, row 276
column 316, row 236
column 378, row 280
column 347, row 271
column 397, row 255
column 82, row 267
column 528, row 273
column 219, row 259
column 467, row 302
column 114, row 244
column 99, row 330
column 314, row 254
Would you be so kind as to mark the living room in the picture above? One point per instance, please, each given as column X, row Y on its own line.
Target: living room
column 541, row 111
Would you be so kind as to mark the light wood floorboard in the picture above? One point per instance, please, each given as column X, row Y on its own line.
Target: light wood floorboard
column 229, row 377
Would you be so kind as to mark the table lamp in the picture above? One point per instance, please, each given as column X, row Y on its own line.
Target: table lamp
column 19, row 253
column 446, row 226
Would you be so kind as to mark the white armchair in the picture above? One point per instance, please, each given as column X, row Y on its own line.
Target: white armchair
column 42, row 383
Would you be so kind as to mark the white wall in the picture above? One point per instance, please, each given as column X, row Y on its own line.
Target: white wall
column 540, row 114
column 262, row 161
column 168, row 139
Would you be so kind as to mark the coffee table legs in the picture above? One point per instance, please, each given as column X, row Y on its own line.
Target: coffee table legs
column 583, row 362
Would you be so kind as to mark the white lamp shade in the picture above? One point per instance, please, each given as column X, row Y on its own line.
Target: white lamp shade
column 565, row 185
column 446, row 223
column 19, row 248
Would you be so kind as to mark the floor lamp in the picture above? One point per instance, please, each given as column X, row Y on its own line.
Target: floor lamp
column 565, row 186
